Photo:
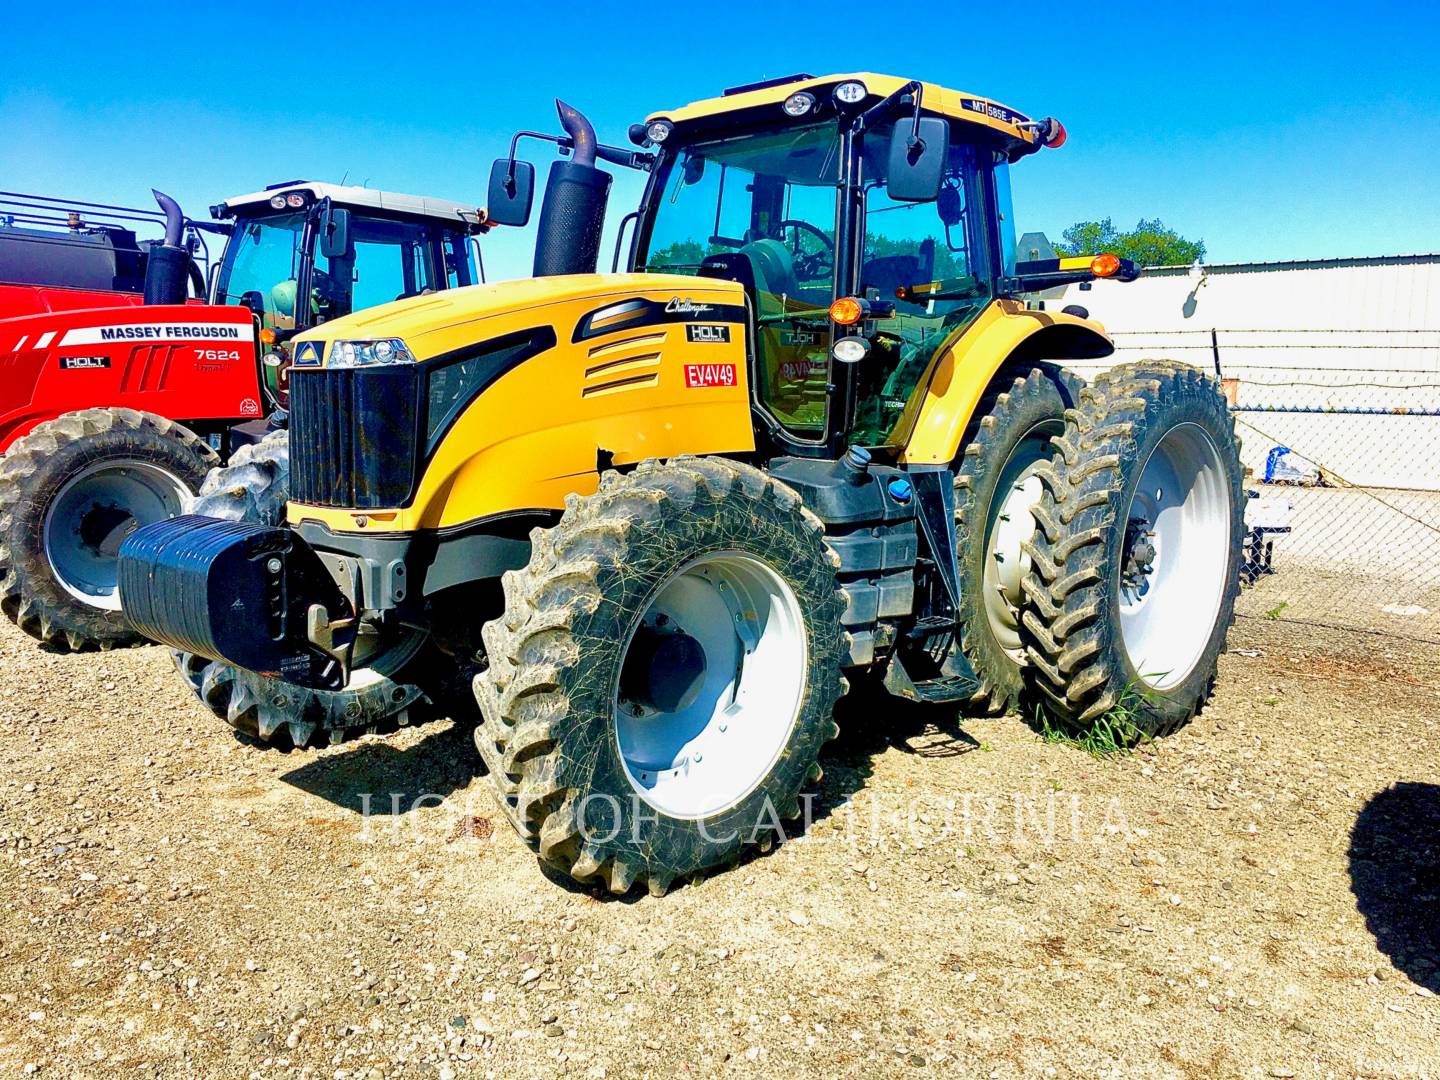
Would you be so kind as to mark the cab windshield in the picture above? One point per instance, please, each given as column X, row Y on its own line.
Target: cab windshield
column 392, row 259
column 769, row 202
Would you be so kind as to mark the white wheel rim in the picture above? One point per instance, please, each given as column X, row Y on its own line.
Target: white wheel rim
column 1167, row 614
column 724, row 733
column 91, row 515
column 1010, row 524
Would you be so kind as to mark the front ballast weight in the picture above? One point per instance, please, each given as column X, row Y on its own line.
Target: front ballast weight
column 255, row 596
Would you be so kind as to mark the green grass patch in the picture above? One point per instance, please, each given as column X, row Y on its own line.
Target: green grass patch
column 1114, row 733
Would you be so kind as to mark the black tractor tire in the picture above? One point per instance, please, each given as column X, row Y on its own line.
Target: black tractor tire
column 36, row 479
column 1080, row 668
column 406, row 690
column 1014, row 427
column 548, row 697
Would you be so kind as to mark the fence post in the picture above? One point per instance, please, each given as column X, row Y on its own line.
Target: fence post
column 1215, row 352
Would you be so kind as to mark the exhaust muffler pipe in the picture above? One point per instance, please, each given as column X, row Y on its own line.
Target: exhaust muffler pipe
column 167, row 264
column 573, row 213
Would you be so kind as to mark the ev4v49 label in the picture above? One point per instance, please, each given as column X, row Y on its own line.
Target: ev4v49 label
column 698, row 376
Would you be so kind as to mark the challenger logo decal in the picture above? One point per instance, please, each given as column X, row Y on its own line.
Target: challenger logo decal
column 676, row 306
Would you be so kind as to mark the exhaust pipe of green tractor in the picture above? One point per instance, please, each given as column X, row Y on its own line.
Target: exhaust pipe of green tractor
column 573, row 214
column 167, row 264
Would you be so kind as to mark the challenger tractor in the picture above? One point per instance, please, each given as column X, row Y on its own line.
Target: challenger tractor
column 117, row 404
column 648, row 524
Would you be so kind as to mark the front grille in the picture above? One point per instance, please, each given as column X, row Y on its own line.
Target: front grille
column 355, row 439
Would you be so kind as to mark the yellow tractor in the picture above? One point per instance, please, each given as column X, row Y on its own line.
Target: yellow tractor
column 648, row 523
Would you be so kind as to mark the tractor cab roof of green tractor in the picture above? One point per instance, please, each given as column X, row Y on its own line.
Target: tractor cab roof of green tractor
column 805, row 98
column 299, row 194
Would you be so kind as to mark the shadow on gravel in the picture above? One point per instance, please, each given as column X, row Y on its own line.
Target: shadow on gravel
column 870, row 722
column 871, row 719
column 438, row 765
column 445, row 762
column 1395, row 875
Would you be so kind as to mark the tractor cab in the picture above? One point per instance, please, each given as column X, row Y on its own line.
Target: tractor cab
column 303, row 253
column 868, row 218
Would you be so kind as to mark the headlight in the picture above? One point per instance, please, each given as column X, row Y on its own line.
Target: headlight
column 659, row 131
column 851, row 93
column 349, row 354
column 850, row 350
column 798, row 104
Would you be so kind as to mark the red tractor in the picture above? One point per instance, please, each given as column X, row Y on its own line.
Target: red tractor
column 128, row 375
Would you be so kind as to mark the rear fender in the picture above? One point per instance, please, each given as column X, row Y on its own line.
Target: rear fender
column 1005, row 335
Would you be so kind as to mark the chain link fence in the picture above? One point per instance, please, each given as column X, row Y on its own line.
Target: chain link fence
column 1340, row 437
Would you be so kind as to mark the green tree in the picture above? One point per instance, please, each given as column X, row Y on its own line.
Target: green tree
column 1150, row 243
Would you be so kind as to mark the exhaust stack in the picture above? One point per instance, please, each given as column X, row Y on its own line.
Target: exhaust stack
column 573, row 213
column 167, row 265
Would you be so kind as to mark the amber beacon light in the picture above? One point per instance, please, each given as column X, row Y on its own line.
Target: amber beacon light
column 1103, row 266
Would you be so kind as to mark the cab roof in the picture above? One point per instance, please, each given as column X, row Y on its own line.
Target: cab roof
column 358, row 198
column 938, row 100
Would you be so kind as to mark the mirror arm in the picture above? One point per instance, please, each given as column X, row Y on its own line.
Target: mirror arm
column 626, row 159
column 629, row 159
column 882, row 111
column 563, row 141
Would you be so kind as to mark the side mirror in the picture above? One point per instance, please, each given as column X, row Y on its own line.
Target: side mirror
column 512, row 192
column 694, row 170
column 917, row 159
column 335, row 241
column 254, row 299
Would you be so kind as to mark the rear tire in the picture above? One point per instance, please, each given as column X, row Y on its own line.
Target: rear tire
column 389, row 693
column 996, row 488
column 1136, row 560
column 70, row 491
column 618, row 770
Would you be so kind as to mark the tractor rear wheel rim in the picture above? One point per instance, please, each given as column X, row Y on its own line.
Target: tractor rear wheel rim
column 92, row 514
column 711, row 682
column 1171, row 573
column 1011, row 523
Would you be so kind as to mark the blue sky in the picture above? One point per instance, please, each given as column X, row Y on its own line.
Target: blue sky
column 1268, row 130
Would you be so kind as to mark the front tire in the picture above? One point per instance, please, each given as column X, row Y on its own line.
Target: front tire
column 639, row 724
column 1136, row 558
column 70, row 492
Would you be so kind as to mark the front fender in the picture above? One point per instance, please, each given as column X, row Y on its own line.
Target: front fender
column 1006, row 334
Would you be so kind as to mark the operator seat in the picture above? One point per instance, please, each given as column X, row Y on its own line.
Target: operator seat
column 773, row 267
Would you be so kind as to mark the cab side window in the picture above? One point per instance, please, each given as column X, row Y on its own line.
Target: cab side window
column 921, row 257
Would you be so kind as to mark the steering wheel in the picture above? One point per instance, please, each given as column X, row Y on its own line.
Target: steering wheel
column 817, row 265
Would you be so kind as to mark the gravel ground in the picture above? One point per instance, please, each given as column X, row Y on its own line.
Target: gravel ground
column 1255, row 896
